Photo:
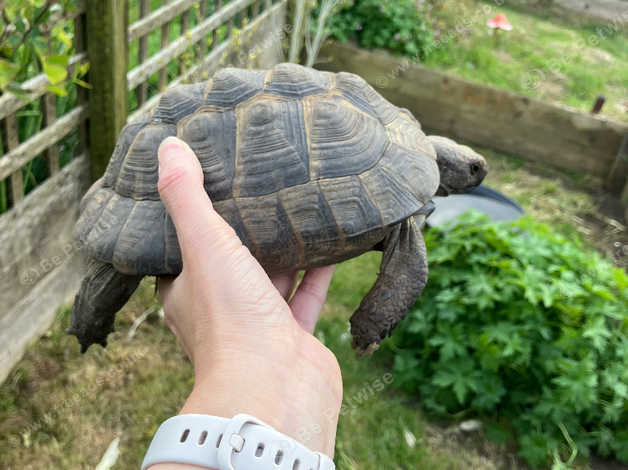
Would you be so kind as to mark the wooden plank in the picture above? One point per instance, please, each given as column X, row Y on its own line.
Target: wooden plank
column 142, row 54
column 35, row 87
column 12, row 142
column 107, row 22
column 38, row 268
column 185, row 24
column 26, row 151
column 159, row 17
column 49, row 109
column 165, row 40
column 492, row 118
column 80, row 44
column 213, row 60
column 177, row 47
column 201, row 48
column 217, row 6
column 605, row 11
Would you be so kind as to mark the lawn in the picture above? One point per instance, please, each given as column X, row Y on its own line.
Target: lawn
column 59, row 409
column 559, row 60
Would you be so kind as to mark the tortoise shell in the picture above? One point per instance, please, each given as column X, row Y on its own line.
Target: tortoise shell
column 308, row 167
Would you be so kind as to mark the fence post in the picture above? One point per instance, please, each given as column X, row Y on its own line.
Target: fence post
column 107, row 48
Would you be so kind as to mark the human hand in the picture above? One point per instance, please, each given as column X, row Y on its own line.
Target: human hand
column 252, row 349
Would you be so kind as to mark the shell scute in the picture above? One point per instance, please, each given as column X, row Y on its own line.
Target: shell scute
column 126, row 138
column 343, row 141
column 268, row 227
column 231, row 87
column 138, row 175
column 356, row 90
column 211, row 134
column 271, row 147
column 393, row 201
column 296, row 81
column 178, row 102
column 351, row 205
column 143, row 231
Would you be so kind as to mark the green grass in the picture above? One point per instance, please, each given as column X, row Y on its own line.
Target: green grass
column 543, row 56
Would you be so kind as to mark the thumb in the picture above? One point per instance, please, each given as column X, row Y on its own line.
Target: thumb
column 198, row 225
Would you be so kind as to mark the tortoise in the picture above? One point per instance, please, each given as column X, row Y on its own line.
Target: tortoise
column 310, row 168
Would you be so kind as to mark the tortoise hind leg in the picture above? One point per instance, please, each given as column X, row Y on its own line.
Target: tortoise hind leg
column 402, row 277
column 103, row 292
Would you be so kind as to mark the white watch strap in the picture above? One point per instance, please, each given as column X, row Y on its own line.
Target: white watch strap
column 240, row 443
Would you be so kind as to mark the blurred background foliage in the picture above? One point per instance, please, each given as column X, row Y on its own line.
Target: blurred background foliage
column 37, row 36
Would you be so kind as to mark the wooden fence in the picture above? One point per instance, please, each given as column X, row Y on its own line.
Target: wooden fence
column 135, row 52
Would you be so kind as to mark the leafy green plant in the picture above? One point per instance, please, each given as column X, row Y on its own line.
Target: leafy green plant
column 35, row 38
column 522, row 326
column 396, row 25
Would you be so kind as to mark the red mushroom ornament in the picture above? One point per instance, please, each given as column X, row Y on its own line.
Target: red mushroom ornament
column 497, row 23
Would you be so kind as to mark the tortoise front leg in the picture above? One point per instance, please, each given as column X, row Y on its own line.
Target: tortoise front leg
column 103, row 292
column 402, row 277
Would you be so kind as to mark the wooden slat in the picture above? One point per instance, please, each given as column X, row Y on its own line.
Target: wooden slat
column 80, row 45
column 256, row 8
column 12, row 142
column 142, row 54
column 49, row 108
column 185, row 24
column 35, row 87
column 165, row 40
column 208, row 61
column 268, row 4
column 158, row 18
column 177, row 47
column 26, row 151
column 201, row 48
column 217, row 6
column 39, row 229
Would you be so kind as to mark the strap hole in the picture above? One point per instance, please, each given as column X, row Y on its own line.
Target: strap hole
column 260, row 450
column 218, row 441
column 185, row 435
column 296, row 464
column 201, row 440
column 278, row 457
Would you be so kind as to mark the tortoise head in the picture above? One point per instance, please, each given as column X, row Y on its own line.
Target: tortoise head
column 461, row 168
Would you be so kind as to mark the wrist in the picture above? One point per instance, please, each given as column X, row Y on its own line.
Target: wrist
column 308, row 424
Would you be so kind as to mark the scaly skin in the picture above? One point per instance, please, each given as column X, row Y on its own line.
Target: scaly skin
column 103, row 292
column 403, row 275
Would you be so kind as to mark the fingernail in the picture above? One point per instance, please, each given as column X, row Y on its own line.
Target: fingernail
column 169, row 148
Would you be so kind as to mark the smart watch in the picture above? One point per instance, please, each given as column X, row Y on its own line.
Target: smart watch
column 240, row 443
